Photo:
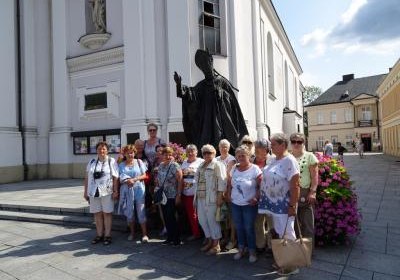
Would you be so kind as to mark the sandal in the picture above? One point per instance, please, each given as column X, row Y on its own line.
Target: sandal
column 97, row 239
column 107, row 240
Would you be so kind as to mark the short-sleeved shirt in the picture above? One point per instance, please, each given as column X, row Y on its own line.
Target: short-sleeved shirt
column 150, row 151
column 189, row 171
column 275, row 185
column 305, row 161
column 104, row 184
column 227, row 160
column 168, row 177
column 244, row 184
column 131, row 171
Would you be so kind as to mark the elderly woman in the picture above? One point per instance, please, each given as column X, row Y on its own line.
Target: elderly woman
column 169, row 177
column 229, row 161
column 100, row 189
column 189, row 168
column 132, row 192
column 308, row 165
column 262, row 158
column 244, row 190
column 151, row 143
column 280, row 190
column 211, row 184
column 249, row 142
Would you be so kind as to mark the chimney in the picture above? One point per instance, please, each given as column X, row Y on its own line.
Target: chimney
column 348, row 77
column 390, row 69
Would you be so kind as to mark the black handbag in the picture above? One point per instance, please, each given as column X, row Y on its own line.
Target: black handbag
column 159, row 195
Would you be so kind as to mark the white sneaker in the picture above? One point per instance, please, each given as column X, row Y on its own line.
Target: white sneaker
column 252, row 258
column 238, row 256
column 130, row 237
column 145, row 239
column 287, row 272
column 230, row 246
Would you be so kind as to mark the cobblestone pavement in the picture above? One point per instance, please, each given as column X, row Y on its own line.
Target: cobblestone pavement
column 43, row 251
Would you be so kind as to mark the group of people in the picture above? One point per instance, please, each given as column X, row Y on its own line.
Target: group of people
column 238, row 201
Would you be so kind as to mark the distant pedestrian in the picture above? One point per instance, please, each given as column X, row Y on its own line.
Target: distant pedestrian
column 361, row 148
column 328, row 148
column 341, row 151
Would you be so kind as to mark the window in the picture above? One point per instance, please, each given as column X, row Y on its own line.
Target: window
column 96, row 101
column 347, row 115
column 320, row 118
column 334, row 139
column 320, row 143
column 333, row 117
column 210, row 26
column 84, row 142
column 366, row 113
column 349, row 140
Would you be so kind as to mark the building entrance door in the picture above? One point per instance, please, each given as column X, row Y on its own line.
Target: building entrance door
column 366, row 139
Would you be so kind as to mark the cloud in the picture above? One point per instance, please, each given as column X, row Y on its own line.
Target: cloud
column 371, row 26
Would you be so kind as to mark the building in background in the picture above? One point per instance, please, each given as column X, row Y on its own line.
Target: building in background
column 346, row 112
column 389, row 96
column 77, row 72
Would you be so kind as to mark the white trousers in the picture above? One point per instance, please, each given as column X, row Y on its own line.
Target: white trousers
column 206, row 215
column 279, row 222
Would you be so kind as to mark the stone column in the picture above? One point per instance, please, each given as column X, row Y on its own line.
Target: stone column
column 60, row 138
column 179, row 56
column 10, row 138
column 134, row 60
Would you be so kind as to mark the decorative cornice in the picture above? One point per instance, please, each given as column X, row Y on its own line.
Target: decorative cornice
column 94, row 41
column 95, row 60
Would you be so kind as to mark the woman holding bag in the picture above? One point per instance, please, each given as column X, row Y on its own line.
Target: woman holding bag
column 132, row 192
column 280, row 192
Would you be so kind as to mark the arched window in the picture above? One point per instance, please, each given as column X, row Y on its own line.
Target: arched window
column 271, row 75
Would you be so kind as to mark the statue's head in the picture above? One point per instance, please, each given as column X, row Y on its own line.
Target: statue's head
column 204, row 61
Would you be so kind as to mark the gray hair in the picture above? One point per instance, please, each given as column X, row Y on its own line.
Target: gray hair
column 224, row 142
column 280, row 138
column 208, row 148
column 191, row 147
column 139, row 141
column 243, row 149
column 263, row 143
column 301, row 136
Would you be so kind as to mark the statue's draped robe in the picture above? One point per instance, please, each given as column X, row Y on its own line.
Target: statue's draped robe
column 211, row 112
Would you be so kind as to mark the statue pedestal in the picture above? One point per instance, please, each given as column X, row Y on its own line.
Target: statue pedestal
column 94, row 41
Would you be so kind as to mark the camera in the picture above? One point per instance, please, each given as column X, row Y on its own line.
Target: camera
column 98, row 174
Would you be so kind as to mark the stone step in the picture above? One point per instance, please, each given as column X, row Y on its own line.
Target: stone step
column 119, row 224
column 83, row 211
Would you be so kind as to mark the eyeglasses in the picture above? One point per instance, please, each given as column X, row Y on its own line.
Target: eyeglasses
column 247, row 142
column 298, row 142
column 151, row 130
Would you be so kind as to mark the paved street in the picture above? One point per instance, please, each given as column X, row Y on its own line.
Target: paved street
column 44, row 251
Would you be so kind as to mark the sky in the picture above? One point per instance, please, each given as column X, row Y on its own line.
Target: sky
column 332, row 38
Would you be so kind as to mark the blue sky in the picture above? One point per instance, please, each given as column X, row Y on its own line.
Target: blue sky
column 332, row 38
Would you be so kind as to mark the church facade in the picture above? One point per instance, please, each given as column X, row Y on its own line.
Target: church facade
column 77, row 72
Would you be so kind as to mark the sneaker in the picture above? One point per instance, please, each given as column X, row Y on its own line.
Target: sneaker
column 130, row 237
column 287, row 272
column 238, row 256
column 145, row 239
column 230, row 245
column 214, row 250
column 166, row 242
column 252, row 258
column 177, row 243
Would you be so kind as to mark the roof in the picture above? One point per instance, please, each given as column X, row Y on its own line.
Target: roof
column 345, row 91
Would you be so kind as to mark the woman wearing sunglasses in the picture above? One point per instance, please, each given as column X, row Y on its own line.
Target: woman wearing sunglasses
column 308, row 165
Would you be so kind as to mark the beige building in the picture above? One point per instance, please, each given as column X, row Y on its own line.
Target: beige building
column 389, row 96
column 346, row 112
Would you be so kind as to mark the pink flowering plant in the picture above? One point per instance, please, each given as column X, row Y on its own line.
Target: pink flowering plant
column 336, row 214
column 179, row 152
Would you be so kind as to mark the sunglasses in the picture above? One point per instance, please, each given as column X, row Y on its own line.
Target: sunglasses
column 298, row 142
column 207, row 153
column 247, row 142
column 151, row 130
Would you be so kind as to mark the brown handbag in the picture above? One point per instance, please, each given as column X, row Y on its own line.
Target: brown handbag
column 292, row 253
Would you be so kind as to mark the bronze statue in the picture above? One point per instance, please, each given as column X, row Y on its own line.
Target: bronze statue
column 210, row 109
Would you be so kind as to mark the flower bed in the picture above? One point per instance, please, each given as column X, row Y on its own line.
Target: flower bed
column 336, row 214
column 179, row 152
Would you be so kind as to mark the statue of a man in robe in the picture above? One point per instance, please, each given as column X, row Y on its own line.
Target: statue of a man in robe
column 99, row 15
column 210, row 109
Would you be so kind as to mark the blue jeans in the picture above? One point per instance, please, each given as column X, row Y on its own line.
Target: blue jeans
column 244, row 218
